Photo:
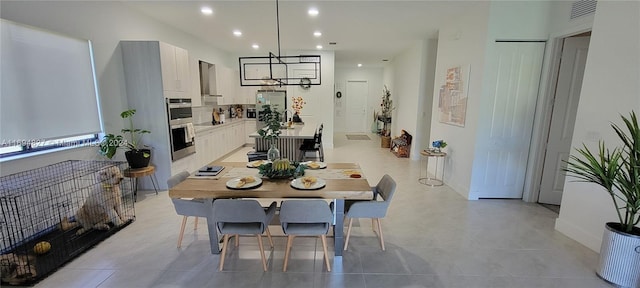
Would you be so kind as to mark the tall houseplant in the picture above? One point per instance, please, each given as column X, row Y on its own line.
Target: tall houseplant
column 271, row 131
column 137, row 156
column 386, row 107
column 618, row 172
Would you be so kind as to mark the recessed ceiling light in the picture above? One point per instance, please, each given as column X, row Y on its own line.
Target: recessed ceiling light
column 317, row 33
column 313, row 12
column 359, row 65
column 319, row 46
column 206, row 10
column 255, row 46
column 238, row 33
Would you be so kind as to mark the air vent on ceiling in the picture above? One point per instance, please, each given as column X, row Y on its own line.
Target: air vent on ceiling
column 582, row 8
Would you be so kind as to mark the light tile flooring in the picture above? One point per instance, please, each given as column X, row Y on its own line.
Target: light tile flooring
column 434, row 238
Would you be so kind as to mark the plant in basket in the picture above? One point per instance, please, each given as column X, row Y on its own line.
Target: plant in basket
column 281, row 169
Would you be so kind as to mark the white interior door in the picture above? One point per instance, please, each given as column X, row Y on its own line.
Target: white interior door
column 356, row 94
column 563, row 117
column 506, row 120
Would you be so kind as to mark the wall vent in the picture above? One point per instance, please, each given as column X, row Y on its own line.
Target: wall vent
column 582, row 8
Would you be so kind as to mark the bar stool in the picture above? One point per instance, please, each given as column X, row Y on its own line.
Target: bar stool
column 314, row 145
column 138, row 173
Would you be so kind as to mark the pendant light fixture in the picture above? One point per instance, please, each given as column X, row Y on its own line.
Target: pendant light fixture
column 278, row 70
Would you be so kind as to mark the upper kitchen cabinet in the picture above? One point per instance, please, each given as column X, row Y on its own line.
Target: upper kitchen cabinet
column 244, row 94
column 225, row 85
column 175, row 66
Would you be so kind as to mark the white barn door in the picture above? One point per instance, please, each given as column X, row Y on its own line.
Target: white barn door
column 506, row 120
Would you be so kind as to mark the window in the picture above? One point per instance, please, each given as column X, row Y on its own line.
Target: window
column 48, row 91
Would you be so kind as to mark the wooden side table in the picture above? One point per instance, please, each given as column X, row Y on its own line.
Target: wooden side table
column 427, row 180
column 138, row 173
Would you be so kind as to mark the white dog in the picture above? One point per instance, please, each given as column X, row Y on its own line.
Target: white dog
column 102, row 206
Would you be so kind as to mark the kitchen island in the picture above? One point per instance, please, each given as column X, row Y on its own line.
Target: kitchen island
column 289, row 141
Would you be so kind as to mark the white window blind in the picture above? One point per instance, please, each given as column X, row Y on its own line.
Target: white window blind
column 48, row 88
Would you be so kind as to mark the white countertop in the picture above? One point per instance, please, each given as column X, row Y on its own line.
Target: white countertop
column 208, row 126
column 306, row 131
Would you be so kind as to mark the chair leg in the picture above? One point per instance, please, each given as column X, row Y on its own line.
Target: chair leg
column 321, row 152
column 224, row 250
column 346, row 242
column 264, row 261
column 195, row 226
column 184, row 222
column 269, row 236
column 326, row 255
column 373, row 224
column 286, row 253
column 380, row 234
column 237, row 240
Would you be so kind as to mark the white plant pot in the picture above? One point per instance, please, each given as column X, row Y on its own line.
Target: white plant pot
column 619, row 257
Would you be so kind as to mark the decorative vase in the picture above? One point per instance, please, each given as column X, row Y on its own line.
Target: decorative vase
column 296, row 118
column 137, row 159
column 620, row 256
column 273, row 153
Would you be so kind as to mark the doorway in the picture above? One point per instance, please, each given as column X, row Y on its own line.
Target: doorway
column 565, row 105
column 356, row 96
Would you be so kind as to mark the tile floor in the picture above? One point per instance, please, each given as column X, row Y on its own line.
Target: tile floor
column 434, row 238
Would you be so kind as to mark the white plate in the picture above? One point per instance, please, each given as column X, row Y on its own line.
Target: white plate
column 297, row 183
column 322, row 165
column 257, row 163
column 231, row 184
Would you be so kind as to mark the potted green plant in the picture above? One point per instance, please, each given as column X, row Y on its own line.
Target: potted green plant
column 137, row 156
column 618, row 172
column 271, row 131
column 386, row 107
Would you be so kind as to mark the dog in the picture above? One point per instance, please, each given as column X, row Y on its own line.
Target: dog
column 102, row 206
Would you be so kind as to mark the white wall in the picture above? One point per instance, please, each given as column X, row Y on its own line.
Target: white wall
column 461, row 41
column 407, row 91
column 610, row 88
column 373, row 76
column 105, row 24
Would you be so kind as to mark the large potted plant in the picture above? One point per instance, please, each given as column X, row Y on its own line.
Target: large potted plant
column 271, row 131
column 137, row 156
column 385, row 110
column 618, row 172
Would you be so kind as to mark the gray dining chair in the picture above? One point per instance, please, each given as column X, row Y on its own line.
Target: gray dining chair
column 305, row 218
column 373, row 209
column 243, row 217
column 186, row 207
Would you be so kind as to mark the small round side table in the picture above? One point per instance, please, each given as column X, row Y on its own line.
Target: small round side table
column 428, row 180
column 138, row 173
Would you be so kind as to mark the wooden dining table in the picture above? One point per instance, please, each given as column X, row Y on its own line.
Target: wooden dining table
column 340, row 186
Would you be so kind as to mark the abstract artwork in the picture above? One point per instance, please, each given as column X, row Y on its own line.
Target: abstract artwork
column 452, row 103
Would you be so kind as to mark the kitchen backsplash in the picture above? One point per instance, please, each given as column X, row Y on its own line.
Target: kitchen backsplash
column 202, row 114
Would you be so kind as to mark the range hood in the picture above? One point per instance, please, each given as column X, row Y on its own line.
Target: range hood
column 208, row 80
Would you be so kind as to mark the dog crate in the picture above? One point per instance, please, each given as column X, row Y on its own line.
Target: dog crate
column 35, row 203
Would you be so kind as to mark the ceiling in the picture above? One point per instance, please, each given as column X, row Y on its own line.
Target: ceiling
column 365, row 31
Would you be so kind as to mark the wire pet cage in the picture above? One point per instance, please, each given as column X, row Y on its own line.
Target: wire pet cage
column 52, row 214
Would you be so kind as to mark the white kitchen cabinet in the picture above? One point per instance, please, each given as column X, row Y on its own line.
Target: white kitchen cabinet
column 249, row 127
column 174, row 62
column 152, row 72
column 246, row 94
column 194, row 72
column 225, row 85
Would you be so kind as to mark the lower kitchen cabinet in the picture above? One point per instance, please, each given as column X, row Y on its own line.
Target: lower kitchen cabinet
column 249, row 127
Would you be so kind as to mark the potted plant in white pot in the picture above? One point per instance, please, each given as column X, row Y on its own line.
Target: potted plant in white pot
column 137, row 156
column 618, row 172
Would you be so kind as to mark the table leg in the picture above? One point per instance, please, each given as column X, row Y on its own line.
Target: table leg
column 211, row 226
column 338, row 229
column 152, row 176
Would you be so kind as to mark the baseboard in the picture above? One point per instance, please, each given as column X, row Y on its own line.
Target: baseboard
column 578, row 234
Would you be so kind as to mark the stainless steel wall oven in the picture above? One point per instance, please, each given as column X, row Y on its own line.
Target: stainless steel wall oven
column 181, row 131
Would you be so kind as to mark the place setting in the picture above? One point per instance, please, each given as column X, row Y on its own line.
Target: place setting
column 308, row 183
column 243, row 183
column 313, row 165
